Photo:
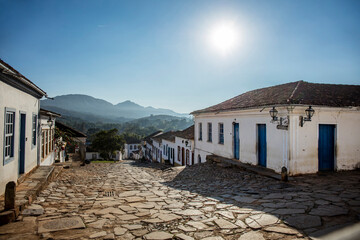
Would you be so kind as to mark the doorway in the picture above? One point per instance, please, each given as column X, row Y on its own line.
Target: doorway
column 326, row 147
column 261, row 144
column 22, row 143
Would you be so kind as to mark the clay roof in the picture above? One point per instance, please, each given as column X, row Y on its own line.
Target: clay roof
column 147, row 138
column 15, row 75
column 294, row 93
column 49, row 113
column 188, row 133
column 71, row 131
column 169, row 136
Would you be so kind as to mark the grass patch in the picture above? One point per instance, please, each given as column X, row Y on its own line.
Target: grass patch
column 104, row 161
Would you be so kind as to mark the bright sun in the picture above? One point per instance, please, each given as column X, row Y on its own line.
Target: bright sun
column 224, row 37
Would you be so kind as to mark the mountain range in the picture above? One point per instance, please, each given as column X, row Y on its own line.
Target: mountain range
column 92, row 109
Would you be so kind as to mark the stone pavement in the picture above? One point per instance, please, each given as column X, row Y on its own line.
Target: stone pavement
column 27, row 190
column 132, row 200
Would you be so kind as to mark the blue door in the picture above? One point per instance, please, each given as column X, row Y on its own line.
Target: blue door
column 236, row 141
column 261, row 144
column 22, row 143
column 326, row 147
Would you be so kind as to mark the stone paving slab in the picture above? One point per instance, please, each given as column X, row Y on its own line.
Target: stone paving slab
column 132, row 200
column 60, row 224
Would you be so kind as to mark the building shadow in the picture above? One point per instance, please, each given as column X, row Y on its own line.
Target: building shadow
column 315, row 205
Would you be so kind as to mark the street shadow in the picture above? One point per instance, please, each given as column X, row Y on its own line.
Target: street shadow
column 315, row 205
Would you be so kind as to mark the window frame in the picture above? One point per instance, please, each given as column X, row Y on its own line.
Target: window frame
column 221, row 133
column 200, row 132
column 209, row 132
column 9, row 158
column 34, row 122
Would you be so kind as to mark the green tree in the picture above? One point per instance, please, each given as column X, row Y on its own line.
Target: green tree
column 107, row 142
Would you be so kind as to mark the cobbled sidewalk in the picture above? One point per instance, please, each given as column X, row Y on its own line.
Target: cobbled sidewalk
column 132, row 200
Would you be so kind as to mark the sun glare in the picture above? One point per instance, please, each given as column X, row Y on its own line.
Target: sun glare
column 224, row 37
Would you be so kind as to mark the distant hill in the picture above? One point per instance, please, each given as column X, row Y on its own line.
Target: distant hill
column 92, row 109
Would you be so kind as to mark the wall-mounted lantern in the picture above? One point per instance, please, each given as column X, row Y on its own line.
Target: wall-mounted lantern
column 273, row 113
column 309, row 113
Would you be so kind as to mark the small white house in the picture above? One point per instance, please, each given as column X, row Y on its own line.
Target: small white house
column 304, row 127
column 131, row 149
column 184, row 145
column 19, row 121
column 47, row 137
column 174, row 147
column 147, row 146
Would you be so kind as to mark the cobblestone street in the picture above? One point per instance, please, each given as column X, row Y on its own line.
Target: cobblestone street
column 130, row 200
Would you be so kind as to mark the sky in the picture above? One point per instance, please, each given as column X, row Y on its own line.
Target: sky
column 158, row 53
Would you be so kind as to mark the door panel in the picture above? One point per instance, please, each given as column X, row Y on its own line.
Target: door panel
column 22, row 143
column 236, row 141
column 261, row 144
column 326, row 147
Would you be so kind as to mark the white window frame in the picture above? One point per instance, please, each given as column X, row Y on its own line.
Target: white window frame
column 34, row 130
column 221, row 133
column 9, row 137
column 200, row 132
column 209, row 133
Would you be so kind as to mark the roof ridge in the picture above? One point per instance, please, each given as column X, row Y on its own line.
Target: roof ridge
column 293, row 92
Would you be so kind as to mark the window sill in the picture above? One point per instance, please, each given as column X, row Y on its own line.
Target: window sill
column 8, row 160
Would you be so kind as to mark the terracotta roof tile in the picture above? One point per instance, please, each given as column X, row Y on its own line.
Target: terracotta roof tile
column 296, row 93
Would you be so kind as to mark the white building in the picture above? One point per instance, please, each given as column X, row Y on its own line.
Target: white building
column 184, row 145
column 47, row 137
column 131, row 150
column 147, row 146
column 173, row 147
column 242, row 129
column 19, row 114
column 163, row 147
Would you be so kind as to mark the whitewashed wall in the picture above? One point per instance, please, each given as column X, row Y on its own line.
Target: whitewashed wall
column 171, row 145
column 50, row 158
column 180, row 142
column 13, row 98
column 304, row 140
column 296, row 148
column 128, row 151
column 157, row 147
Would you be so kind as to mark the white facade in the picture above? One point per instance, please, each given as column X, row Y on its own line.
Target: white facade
column 184, row 151
column 129, row 150
column 24, row 111
column 295, row 148
column 47, row 141
column 169, row 151
column 156, row 151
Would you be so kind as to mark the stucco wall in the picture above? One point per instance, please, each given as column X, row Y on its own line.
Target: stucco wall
column 304, row 140
column 248, row 121
column 13, row 98
column 181, row 143
column 296, row 148
column 50, row 158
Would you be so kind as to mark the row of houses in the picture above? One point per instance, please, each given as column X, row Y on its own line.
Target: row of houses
column 174, row 147
column 27, row 138
column 300, row 126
